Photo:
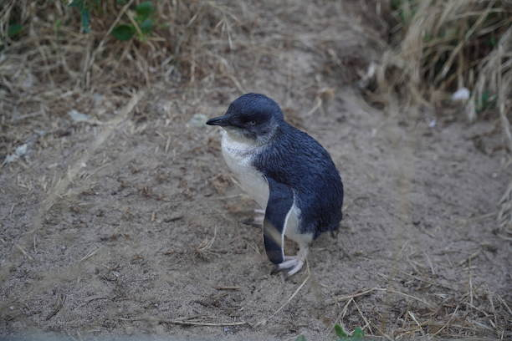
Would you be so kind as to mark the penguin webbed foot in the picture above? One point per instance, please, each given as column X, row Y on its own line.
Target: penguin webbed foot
column 259, row 217
column 256, row 220
column 291, row 265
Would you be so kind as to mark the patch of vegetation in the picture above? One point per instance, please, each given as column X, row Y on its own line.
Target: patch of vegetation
column 122, row 41
column 140, row 20
column 83, row 7
column 441, row 46
column 341, row 334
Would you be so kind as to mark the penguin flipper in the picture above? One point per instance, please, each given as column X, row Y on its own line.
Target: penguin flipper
column 280, row 202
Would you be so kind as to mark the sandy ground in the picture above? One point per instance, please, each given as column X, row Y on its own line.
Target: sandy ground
column 132, row 225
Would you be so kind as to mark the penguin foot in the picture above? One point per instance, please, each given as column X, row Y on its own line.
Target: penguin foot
column 259, row 216
column 256, row 220
column 291, row 264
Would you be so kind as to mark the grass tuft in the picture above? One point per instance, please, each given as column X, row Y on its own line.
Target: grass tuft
column 110, row 42
column 442, row 46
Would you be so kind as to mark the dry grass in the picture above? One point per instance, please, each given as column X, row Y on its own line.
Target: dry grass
column 61, row 52
column 505, row 213
column 51, row 67
column 449, row 313
column 442, row 46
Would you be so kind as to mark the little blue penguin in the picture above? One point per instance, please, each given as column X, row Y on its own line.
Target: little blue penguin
column 286, row 171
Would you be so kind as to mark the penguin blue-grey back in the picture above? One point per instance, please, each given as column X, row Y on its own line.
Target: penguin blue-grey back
column 289, row 174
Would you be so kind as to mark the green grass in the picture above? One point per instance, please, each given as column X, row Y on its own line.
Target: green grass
column 341, row 334
column 138, row 22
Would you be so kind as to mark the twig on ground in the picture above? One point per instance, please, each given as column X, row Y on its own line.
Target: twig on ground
column 90, row 254
column 364, row 318
column 416, row 321
column 185, row 322
column 504, row 304
column 386, row 290
column 471, row 257
column 264, row 321
column 227, row 288
column 23, row 251
column 339, row 319
column 363, row 293
column 447, row 323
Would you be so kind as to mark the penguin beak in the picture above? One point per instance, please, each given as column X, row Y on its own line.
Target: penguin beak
column 219, row 121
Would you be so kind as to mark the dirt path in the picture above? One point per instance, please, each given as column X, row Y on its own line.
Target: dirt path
column 134, row 226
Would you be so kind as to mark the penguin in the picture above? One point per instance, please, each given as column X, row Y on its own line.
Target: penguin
column 286, row 171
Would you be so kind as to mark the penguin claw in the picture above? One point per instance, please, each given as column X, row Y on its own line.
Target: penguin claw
column 259, row 217
column 292, row 265
column 296, row 268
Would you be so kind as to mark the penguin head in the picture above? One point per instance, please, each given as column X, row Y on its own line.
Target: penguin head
column 252, row 116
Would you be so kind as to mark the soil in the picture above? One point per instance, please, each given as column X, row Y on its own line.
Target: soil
column 131, row 224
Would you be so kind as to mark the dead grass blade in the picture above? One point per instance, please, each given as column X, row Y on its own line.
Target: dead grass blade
column 264, row 321
column 186, row 322
column 61, row 186
column 443, row 46
column 505, row 211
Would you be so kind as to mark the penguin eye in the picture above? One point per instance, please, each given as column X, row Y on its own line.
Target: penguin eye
column 251, row 123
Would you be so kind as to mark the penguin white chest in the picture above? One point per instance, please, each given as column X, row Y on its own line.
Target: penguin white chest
column 238, row 154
